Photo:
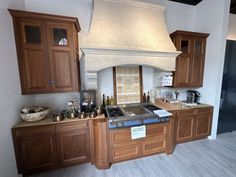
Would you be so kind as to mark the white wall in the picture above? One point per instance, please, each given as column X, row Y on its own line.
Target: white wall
column 232, row 27
column 211, row 16
column 11, row 100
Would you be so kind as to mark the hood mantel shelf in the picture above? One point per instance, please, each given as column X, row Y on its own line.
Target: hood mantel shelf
column 126, row 32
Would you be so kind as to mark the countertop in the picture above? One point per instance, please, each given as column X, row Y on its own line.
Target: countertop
column 177, row 106
column 158, row 102
column 48, row 121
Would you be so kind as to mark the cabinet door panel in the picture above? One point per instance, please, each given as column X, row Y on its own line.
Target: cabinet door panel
column 74, row 147
column 203, row 122
column 63, row 61
column 36, row 76
column 197, row 71
column 185, row 128
column 181, row 75
column 61, row 70
column 153, row 145
column 37, row 153
column 34, row 70
column 129, row 151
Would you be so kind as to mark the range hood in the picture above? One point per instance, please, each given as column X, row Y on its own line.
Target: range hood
column 126, row 32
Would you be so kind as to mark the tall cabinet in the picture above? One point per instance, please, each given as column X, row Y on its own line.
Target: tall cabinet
column 190, row 63
column 47, row 49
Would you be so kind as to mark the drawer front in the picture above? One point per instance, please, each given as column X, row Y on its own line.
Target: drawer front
column 204, row 110
column 129, row 151
column 73, row 126
column 185, row 112
column 156, row 129
column 121, row 136
column 153, row 145
column 34, row 131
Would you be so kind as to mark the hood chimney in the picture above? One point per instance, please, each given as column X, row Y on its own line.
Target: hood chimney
column 126, row 32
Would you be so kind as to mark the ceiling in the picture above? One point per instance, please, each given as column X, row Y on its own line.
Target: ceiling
column 195, row 2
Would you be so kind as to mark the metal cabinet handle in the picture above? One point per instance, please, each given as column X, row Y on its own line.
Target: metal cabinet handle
column 51, row 82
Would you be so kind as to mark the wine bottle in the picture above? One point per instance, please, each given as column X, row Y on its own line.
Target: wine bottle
column 108, row 101
column 148, row 97
column 103, row 104
column 111, row 100
column 144, row 97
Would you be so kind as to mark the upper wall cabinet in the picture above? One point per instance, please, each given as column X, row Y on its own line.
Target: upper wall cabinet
column 190, row 63
column 47, row 49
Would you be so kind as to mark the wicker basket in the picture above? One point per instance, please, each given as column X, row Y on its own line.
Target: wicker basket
column 32, row 117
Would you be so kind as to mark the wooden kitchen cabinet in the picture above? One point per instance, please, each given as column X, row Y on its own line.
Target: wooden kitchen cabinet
column 73, row 143
column 185, row 125
column 190, row 63
column 47, row 47
column 158, row 139
column 203, row 122
column 35, row 149
column 193, row 124
column 46, row 147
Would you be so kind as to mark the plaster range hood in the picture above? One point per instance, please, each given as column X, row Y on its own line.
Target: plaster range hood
column 126, row 32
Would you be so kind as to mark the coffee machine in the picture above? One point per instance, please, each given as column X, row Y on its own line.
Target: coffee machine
column 193, row 96
column 87, row 101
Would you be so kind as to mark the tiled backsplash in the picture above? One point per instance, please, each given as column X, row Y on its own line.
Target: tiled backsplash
column 127, row 84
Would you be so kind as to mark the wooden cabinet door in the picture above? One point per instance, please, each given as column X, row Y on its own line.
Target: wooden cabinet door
column 73, row 143
column 63, row 61
column 35, row 149
column 185, row 125
column 181, row 75
column 122, row 147
column 33, row 63
column 203, row 122
column 197, row 62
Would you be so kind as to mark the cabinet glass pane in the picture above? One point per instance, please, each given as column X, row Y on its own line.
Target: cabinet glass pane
column 198, row 47
column 184, row 46
column 32, row 34
column 60, row 36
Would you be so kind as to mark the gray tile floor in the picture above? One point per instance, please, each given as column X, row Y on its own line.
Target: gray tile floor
column 202, row 158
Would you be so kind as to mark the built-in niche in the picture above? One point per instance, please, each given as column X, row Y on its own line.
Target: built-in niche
column 128, row 84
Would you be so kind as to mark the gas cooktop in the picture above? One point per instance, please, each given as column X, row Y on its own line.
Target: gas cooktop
column 137, row 111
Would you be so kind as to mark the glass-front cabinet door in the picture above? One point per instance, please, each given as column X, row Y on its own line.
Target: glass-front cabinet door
column 34, row 62
column 62, row 56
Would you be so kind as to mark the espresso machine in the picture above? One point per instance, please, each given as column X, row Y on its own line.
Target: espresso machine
column 87, row 101
column 193, row 96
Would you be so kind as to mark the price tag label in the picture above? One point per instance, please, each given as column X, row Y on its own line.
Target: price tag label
column 138, row 132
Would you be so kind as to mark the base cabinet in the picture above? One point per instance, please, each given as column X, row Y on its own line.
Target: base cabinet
column 193, row 124
column 48, row 147
column 73, row 143
column 35, row 149
column 157, row 140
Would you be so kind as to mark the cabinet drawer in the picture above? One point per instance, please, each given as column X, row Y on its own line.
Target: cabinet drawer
column 129, row 151
column 185, row 112
column 154, row 145
column 34, row 131
column 156, row 129
column 74, row 126
column 204, row 110
column 120, row 136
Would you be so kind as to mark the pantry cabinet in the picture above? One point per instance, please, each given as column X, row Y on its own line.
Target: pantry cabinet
column 190, row 63
column 47, row 50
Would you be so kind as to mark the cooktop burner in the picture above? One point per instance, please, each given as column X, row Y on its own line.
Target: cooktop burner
column 114, row 112
column 151, row 107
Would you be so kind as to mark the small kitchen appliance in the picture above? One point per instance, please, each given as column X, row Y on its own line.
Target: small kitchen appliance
column 193, row 96
column 88, row 101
